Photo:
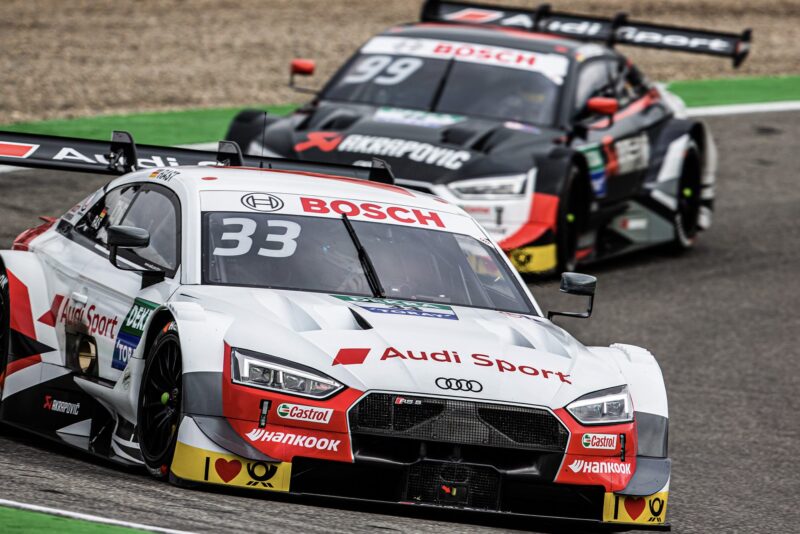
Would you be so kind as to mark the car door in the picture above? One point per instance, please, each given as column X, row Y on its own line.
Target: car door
column 117, row 305
column 618, row 150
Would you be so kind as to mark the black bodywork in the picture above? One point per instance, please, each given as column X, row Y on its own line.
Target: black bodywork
column 615, row 160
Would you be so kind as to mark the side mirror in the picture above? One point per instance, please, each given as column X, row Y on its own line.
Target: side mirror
column 125, row 237
column 301, row 67
column 602, row 105
column 577, row 284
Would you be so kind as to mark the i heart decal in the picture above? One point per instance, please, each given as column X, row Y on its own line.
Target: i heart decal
column 227, row 470
column 634, row 506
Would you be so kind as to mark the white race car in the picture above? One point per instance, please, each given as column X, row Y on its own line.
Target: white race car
column 296, row 328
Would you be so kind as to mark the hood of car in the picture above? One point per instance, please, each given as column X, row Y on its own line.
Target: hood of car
column 413, row 347
column 419, row 145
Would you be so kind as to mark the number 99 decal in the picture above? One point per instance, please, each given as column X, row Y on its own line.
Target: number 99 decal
column 244, row 238
column 394, row 72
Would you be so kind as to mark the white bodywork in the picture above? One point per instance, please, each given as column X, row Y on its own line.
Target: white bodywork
column 521, row 359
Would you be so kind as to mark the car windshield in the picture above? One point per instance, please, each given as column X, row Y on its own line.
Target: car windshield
column 454, row 78
column 319, row 254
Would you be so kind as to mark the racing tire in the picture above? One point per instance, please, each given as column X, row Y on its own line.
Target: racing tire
column 247, row 126
column 160, row 407
column 687, row 214
column 5, row 327
column 573, row 213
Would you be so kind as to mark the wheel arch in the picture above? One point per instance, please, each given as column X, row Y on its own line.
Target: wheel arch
column 552, row 168
column 161, row 318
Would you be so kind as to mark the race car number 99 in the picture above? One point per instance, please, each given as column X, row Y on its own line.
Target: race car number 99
column 244, row 240
column 394, row 71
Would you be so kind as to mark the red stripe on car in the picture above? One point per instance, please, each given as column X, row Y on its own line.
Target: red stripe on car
column 543, row 217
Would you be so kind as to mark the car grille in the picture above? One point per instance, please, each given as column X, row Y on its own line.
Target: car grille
column 458, row 421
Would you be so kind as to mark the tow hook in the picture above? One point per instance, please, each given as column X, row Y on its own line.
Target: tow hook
column 262, row 417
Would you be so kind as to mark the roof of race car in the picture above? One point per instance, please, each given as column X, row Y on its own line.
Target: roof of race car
column 205, row 178
column 489, row 35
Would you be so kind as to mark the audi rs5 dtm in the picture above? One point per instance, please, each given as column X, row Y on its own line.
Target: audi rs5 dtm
column 529, row 120
column 313, row 328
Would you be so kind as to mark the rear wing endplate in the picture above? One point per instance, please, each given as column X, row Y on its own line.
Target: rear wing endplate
column 587, row 28
column 122, row 155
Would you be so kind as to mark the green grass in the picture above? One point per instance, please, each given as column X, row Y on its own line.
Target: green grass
column 203, row 125
column 737, row 90
column 14, row 521
column 157, row 128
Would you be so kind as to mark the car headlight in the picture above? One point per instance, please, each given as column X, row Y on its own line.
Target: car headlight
column 611, row 405
column 276, row 374
column 491, row 188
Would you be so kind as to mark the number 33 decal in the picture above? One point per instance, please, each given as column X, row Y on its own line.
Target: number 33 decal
column 244, row 240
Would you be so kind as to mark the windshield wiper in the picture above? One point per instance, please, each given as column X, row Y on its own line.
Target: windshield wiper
column 440, row 88
column 366, row 263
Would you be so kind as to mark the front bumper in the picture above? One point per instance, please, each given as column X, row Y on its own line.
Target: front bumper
column 537, row 481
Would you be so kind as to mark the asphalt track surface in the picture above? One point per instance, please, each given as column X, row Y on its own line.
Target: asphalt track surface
column 722, row 320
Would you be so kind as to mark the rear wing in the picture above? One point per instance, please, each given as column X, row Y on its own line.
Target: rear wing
column 586, row 28
column 122, row 156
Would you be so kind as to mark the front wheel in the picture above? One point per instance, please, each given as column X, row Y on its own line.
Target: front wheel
column 573, row 213
column 161, row 402
column 687, row 214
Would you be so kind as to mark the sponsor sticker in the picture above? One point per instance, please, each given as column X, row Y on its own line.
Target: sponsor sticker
column 597, row 168
column 78, row 316
column 165, row 175
column 296, row 440
column 370, row 210
column 59, row 406
column 131, row 332
column 553, row 66
column 357, row 356
column 599, row 441
column 298, row 412
column 262, row 202
column 192, row 463
column 416, row 118
column 401, row 307
column 392, row 147
column 650, row 510
column 600, row 467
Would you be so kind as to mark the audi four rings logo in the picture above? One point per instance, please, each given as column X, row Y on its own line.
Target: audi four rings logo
column 262, row 202
column 459, row 384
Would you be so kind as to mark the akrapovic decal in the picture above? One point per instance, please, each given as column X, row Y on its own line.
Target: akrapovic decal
column 392, row 147
column 131, row 332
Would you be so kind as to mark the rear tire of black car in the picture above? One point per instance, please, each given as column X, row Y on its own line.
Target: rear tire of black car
column 5, row 326
column 573, row 213
column 248, row 125
column 687, row 214
column 160, row 407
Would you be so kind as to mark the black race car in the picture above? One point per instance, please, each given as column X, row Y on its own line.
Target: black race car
column 529, row 119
